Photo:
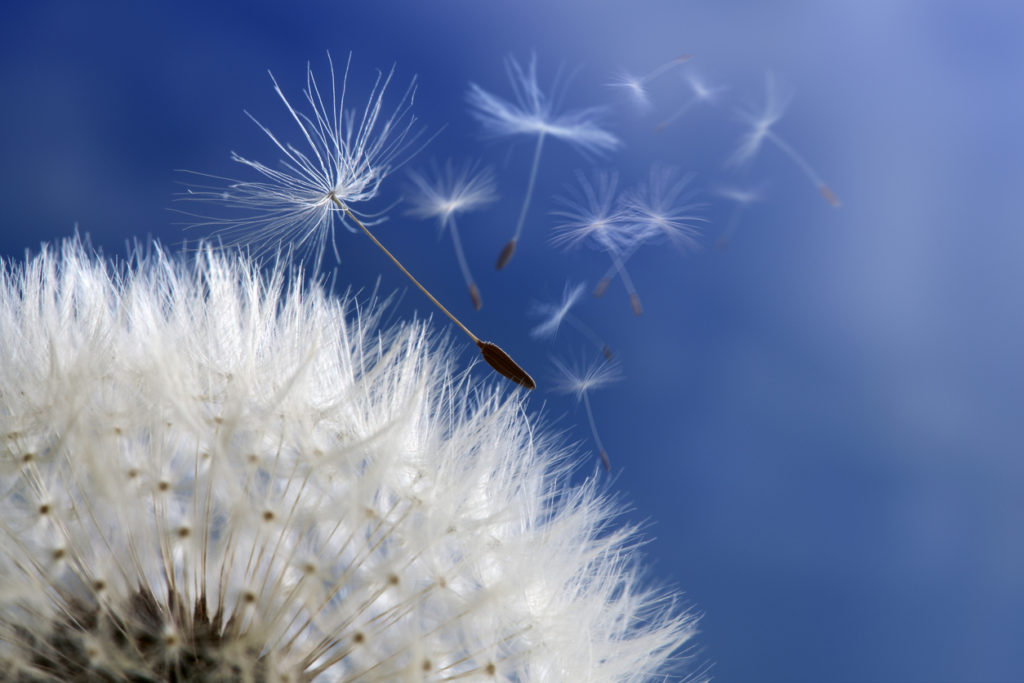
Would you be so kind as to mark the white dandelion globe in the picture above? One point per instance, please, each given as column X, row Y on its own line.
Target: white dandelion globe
column 213, row 474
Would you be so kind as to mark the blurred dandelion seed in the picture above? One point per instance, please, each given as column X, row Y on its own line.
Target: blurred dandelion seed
column 741, row 198
column 554, row 313
column 701, row 93
column 218, row 473
column 447, row 192
column 661, row 207
column 533, row 113
column 581, row 380
column 590, row 213
column 761, row 123
column 349, row 153
column 636, row 86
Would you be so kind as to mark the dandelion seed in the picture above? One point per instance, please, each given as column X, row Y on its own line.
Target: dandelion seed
column 741, row 198
column 776, row 101
column 660, row 208
column 415, row 529
column 701, row 94
column 349, row 154
column 591, row 213
column 581, row 380
column 448, row 192
column 588, row 213
column 554, row 314
column 533, row 113
column 342, row 156
column 663, row 207
column 636, row 86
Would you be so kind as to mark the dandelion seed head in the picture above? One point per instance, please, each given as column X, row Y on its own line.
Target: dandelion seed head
column 211, row 473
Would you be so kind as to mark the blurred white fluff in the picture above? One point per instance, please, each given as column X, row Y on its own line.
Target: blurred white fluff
column 636, row 86
column 212, row 474
column 533, row 112
column 554, row 313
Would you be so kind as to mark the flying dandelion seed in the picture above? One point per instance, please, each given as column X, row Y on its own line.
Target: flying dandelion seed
column 741, row 198
column 581, row 380
column 590, row 213
column 636, row 86
column 448, row 192
column 554, row 314
column 213, row 474
column 533, row 113
column 663, row 207
column 343, row 156
column 349, row 153
column 660, row 208
column 776, row 101
column 701, row 93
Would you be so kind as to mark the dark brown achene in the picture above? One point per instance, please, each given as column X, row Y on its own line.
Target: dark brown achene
column 503, row 363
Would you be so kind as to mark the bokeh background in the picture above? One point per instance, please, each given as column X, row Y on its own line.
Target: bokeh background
column 820, row 426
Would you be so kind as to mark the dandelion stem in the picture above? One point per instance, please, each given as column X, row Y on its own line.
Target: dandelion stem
column 811, row 174
column 588, row 332
column 730, row 227
column 409, row 275
column 593, row 428
column 657, row 71
column 529, row 187
column 619, row 267
column 463, row 265
column 495, row 357
column 676, row 115
column 506, row 253
column 627, row 281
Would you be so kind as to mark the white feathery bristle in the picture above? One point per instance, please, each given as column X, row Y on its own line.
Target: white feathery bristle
column 211, row 473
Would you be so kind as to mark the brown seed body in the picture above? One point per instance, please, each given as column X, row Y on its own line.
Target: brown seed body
column 474, row 294
column 506, row 255
column 503, row 364
column 829, row 195
column 634, row 301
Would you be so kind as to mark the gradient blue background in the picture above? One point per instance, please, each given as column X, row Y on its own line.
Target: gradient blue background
column 821, row 425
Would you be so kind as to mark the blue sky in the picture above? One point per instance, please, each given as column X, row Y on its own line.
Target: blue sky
column 820, row 426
